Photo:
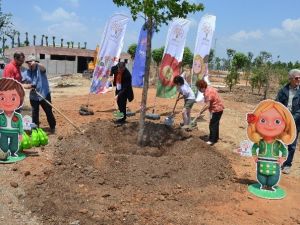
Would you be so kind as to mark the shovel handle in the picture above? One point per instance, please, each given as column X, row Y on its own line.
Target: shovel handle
column 176, row 103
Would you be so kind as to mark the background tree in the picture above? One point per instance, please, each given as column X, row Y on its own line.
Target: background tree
column 61, row 42
column 211, row 57
column 42, row 40
column 34, row 38
column 46, row 38
column 218, row 64
column 53, row 41
column 131, row 50
column 26, row 42
column 157, row 55
column 72, row 44
column 187, row 58
column 3, row 45
column 248, row 66
column 18, row 39
column 230, row 53
column 5, row 23
column 11, row 34
column 155, row 13
column 85, row 45
column 68, row 43
column 78, row 45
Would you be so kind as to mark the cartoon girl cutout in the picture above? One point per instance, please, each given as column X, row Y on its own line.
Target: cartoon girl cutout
column 270, row 126
column 199, row 67
column 11, row 125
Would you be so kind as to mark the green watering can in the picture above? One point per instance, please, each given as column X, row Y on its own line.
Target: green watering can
column 35, row 140
column 25, row 143
column 43, row 137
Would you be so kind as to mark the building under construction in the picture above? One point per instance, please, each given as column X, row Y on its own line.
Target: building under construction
column 57, row 60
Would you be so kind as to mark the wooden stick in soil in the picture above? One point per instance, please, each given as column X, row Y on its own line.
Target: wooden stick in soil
column 77, row 128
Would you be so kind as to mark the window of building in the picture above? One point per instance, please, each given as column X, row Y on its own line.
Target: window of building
column 42, row 56
column 63, row 57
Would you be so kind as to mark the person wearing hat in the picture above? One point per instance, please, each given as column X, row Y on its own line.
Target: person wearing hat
column 13, row 69
column 37, row 78
column 122, row 82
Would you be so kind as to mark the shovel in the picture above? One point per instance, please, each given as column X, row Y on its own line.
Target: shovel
column 169, row 120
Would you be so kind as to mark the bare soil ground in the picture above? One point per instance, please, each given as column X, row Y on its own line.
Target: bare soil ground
column 103, row 177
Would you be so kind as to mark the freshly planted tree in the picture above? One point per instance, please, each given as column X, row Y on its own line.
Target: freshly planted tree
column 156, row 13
column 131, row 50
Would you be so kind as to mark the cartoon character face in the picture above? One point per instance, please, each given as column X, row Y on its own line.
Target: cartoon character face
column 9, row 100
column 197, row 66
column 270, row 123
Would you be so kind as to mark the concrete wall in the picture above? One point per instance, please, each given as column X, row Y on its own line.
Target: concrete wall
column 59, row 67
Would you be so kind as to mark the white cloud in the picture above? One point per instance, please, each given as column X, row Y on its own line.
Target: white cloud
column 74, row 3
column 288, row 32
column 291, row 25
column 57, row 15
column 244, row 35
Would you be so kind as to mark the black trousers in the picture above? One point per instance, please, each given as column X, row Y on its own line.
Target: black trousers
column 122, row 101
column 47, row 109
column 214, row 124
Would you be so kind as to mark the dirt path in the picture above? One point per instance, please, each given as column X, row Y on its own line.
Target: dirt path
column 102, row 177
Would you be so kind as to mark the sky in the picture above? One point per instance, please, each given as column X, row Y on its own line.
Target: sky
column 246, row 26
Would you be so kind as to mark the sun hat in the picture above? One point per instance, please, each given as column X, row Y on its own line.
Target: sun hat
column 31, row 58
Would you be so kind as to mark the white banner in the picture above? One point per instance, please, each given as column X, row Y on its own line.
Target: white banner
column 110, row 51
column 170, row 65
column 204, row 39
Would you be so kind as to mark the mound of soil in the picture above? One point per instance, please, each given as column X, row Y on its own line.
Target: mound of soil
column 103, row 177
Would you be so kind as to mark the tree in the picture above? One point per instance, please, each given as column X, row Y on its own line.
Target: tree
column 85, row 45
column 5, row 23
column 78, row 45
column 248, row 66
column 61, row 42
column 53, row 41
column 218, row 63
column 68, row 43
column 11, row 34
column 230, row 53
column 42, row 40
column 34, row 38
column 187, row 58
column 46, row 38
column 211, row 58
column 131, row 50
column 155, row 13
column 26, row 42
column 72, row 44
column 157, row 55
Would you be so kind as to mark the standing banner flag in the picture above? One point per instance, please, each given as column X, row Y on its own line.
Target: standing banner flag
column 204, row 38
column 171, row 62
column 138, row 69
column 110, row 51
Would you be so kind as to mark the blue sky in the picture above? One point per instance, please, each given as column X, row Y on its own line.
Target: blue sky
column 252, row 25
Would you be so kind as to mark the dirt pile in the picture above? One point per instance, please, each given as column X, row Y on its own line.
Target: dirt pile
column 103, row 177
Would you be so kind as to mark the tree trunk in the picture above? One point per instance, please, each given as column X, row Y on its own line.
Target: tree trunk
column 146, row 84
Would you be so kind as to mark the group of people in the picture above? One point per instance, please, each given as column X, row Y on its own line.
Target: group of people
column 289, row 96
column 34, row 78
column 212, row 103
